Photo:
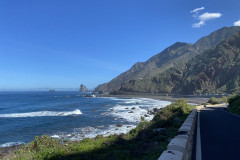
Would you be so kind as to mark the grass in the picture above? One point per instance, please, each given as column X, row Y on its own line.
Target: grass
column 234, row 104
column 140, row 143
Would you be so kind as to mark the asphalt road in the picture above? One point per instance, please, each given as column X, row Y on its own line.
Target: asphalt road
column 220, row 135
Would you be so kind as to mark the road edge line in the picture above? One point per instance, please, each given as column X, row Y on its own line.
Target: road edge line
column 231, row 113
column 198, row 147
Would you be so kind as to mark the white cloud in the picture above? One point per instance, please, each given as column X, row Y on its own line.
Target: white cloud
column 237, row 23
column 197, row 10
column 208, row 16
column 203, row 17
column 198, row 25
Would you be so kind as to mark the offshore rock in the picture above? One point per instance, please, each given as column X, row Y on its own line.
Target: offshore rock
column 83, row 88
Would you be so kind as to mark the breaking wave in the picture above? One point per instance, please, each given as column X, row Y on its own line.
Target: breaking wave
column 41, row 114
column 11, row 144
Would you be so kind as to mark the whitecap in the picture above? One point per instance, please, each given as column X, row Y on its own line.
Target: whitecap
column 122, row 110
column 41, row 114
column 133, row 109
column 92, row 132
column 55, row 136
column 9, row 144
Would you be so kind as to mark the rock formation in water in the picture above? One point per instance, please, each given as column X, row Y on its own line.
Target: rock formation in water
column 83, row 88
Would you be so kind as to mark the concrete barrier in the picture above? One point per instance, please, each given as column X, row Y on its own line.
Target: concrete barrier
column 180, row 147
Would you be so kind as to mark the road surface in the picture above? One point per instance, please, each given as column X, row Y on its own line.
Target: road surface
column 220, row 134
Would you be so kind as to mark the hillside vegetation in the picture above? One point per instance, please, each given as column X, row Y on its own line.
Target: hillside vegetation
column 208, row 66
column 214, row 71
column 147, row 141
column 234, row 104
column 214, row 100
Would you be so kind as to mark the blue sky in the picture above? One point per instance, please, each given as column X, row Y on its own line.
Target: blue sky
column 61, row 44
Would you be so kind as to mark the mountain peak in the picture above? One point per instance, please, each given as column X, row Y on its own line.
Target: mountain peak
column 166, row 70
column 216, row 37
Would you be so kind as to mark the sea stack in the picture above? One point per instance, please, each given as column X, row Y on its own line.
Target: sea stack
column 83, row 88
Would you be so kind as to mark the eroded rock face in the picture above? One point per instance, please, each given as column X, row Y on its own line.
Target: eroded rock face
column 83, row 88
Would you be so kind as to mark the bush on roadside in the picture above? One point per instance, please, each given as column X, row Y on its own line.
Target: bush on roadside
column 215, row 100
column 178, row 109
column 234, row 104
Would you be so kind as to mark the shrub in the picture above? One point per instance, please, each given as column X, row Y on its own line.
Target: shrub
column 215, row 100
column 234, row 104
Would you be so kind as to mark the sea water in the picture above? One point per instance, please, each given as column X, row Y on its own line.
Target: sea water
column 68, row 115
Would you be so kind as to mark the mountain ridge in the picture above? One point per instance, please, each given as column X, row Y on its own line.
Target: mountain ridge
column 171, row 59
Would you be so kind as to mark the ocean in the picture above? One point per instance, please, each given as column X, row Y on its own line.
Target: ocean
column 68, row 115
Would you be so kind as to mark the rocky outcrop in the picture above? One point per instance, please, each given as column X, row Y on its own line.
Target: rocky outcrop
column 83, row 88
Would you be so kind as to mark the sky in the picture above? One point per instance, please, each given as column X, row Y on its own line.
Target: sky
column 65, row 43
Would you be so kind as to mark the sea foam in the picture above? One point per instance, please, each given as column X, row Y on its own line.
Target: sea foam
column 91, row 132
column 130, row 110
column 133, row 109
column 41, row 114
column 11, row 144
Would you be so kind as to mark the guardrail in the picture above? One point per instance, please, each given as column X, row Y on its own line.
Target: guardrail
column 180, row 147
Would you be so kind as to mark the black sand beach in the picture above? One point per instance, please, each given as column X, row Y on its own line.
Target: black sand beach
column 190, row 99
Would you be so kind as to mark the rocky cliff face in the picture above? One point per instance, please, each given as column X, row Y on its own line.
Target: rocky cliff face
column 83, row 88
column 183, row 68
column 216, row 70
column 174, row 55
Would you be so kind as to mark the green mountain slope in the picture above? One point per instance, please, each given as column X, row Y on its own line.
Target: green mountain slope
column 217, row 70
column 157, row 64
column 150, row 76
column 216, row 37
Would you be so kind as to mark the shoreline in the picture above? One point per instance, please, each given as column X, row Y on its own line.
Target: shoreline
column 124, row 113
column 143, row 139
column 189, row 99
column 4, row 151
